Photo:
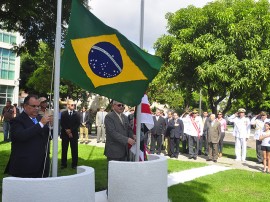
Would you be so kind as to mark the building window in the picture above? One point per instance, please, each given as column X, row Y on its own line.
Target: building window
column 7, row 38
column 6, row 93
column 7, row 64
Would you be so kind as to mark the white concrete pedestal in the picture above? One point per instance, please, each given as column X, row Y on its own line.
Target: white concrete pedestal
column 138, row 181
column 79, row 187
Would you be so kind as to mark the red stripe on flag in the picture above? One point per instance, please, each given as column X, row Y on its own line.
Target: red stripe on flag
column 146, row 108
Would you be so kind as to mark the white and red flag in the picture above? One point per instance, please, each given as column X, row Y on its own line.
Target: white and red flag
column 146, row 115
column 147, row 119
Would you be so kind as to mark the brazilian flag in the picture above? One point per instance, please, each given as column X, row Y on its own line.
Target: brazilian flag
column 101, row 60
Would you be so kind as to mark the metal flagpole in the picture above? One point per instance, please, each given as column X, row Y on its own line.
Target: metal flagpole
column 56, row 88
column 139, row 111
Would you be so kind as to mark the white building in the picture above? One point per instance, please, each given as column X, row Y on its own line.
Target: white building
column 9, row 68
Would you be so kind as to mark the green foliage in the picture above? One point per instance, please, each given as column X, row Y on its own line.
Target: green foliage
column 35, row 20
column 41, row 78
column 36, row 74
column 222, row 48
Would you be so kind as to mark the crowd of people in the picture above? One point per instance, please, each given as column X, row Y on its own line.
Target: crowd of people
column 30, row 130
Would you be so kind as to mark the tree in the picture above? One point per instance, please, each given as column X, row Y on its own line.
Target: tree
column 35, row 20
column 36, row 74
column 222, row 48
column 41, row 78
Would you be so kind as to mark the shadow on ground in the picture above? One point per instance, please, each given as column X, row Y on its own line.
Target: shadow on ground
column 191, row 191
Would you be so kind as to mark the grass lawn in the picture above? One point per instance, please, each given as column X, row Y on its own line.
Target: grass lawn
column 228, row 151
column 233, row 185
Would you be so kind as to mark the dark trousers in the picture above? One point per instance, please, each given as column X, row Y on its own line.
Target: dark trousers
column 259, row 151
column 185, row 143
column 203, row 143
column 193, row 145
column 156, row 143
column 146, row 139
column 90, row 128
column 74, row 150
column 6, row 128
column 220, row 144
column 174, row 146
column 213, row 151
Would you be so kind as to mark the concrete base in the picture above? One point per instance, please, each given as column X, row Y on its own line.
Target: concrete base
column 138, row 181
column 79, row 187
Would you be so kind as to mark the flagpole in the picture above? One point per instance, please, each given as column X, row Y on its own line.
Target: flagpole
column 139, row 111
column 56, row 89
column 142, row 24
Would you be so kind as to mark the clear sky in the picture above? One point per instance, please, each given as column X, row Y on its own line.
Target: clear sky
column 124, row 15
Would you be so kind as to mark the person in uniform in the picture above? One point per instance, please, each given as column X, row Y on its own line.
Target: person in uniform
column 241, row 132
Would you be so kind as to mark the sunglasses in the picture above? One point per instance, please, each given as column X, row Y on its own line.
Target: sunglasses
column 219, row 114
column 34, row 106
column 71, row 104
column 120, row 105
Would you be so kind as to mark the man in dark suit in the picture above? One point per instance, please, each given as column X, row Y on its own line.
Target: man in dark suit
column 91, row 120
column 203, row 140
column 119, row 134
column 157, row 132
column 213, row 130
column 30, row 139
column 84, row 120
column 167, row 139
column 177, row 130
column 70, row 123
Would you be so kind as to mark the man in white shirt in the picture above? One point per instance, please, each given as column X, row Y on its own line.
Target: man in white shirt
column 241, row 132
column 258, row 121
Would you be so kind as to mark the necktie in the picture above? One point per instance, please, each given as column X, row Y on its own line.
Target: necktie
column 70, row 113
column 34, row 120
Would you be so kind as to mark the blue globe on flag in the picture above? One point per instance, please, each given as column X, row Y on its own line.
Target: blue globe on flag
column 105, row 60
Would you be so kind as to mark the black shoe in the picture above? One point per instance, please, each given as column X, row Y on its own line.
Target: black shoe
column 208, row 159
column 205, row 154
column 63, row 167
column 214, row 161
column 190, row 157
column 195, row 158
column 259, row 162
column 103, row 141
column 98, row 141
column 172, row 156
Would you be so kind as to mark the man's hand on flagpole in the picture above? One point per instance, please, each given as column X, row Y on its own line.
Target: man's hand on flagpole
column 131, row 141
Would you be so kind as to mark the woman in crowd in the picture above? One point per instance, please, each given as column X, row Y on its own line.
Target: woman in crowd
column 265, row 138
